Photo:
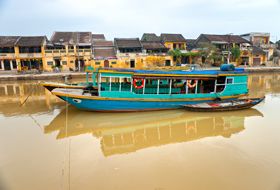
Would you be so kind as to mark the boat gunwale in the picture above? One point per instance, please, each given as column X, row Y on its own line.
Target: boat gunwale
column 145, row 99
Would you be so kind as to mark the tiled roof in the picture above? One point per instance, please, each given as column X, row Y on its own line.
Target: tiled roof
column 98, row 37
column 150, row 37
column 225, row 38
column 127, row 43
column 258, row 51
column 153, row 45
column 172, row 38
column 8, row 41
column 191, row 44
column 106, row 53
column 31, row 41
column 72, row 38
column 102, row 43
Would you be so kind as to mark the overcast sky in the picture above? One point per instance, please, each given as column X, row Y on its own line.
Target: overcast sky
column 131, row 18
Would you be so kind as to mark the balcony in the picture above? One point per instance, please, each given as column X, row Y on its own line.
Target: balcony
column 157, row 54
column 55, row 52
column 7, row 55
column 267, row 46
column 30, row 55
column 131, row 54
column 84, row 52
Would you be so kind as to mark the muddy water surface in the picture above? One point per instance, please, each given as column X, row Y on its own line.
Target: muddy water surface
column 47, row 145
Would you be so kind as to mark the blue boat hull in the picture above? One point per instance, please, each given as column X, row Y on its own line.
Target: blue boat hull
column 126, row 105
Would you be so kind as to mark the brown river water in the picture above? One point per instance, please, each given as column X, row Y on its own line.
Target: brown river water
column 47, row 145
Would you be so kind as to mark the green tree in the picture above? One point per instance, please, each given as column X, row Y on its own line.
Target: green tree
column 210, row 53
column 193, row 55
column 235, row 52
column 176, row 54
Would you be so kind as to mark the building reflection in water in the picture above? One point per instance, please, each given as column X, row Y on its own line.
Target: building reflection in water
column 128, row 132
column 261, row 84
column 13, row 94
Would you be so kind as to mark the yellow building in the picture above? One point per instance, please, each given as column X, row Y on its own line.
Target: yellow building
column 174, row 41
column 156, row 52
column 68, row 51
column 104, row 54
column 129, row 52
column 22, row 52
column 7, row 52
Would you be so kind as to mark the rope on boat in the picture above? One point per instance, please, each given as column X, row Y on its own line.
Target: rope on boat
column 27, row 97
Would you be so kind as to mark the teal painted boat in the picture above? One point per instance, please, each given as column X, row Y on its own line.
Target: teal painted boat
column 141, row 90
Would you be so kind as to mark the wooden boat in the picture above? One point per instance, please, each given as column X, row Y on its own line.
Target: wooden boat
column 52, row 85
column 123, row 90
column 227, row 105
column 81, row 85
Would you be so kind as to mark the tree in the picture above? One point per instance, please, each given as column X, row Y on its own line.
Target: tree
column 235, row 52
column 278, row 44
column 176, row 54
column 210, row 53
column 193, row 55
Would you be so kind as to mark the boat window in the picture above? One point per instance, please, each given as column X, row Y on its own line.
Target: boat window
column 229, row 80
column 191, row 86
column 205, row 86
column 178, row 86
column 125, row 84
column 105, row 83
column 220, row 84
column 115, row 84
column 151, row 86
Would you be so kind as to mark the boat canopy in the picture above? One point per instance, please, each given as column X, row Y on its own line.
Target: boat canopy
column 174, row 73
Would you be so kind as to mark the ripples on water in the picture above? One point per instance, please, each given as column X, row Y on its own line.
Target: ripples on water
column 46, row 144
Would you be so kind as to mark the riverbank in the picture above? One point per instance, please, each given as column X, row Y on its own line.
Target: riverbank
column 262, row 69
column 41, row 76
column 72, row 75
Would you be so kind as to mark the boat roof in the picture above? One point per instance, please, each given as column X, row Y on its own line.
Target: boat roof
column 200, row 73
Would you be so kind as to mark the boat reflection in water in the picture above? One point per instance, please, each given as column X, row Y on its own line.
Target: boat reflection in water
column 128, row 132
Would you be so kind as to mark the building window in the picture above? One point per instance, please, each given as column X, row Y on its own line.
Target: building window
column 71, row 61
column 14, row 64
column 50, row 63
column 97, row 63
column 167, row 63
column 64, row 62
column 113, row 62
column 7, row 50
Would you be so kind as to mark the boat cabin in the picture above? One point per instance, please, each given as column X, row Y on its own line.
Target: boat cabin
column 126, row 83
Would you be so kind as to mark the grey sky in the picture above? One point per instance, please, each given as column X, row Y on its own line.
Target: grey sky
column 131, row 18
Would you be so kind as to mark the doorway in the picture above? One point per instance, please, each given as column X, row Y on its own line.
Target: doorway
column 132, row 63
column 106, row 63
column 57, row 63
column 82, row 64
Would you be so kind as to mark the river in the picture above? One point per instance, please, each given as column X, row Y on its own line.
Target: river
column 47, row 145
